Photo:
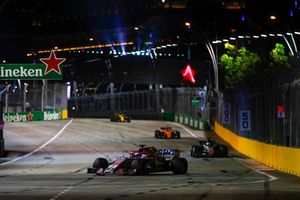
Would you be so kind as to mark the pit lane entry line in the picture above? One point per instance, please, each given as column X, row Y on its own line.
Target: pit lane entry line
column 39, row 148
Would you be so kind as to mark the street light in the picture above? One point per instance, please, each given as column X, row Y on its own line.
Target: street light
column 188, row 25
column 214, row 61
column 211, row 52
column 274, row 19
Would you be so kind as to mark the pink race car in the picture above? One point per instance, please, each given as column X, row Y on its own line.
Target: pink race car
column 144, row 161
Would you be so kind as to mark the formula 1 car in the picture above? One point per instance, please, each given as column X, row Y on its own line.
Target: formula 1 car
column 209, row 148
column 166, row 133
column 120, row 117
column 144, row 161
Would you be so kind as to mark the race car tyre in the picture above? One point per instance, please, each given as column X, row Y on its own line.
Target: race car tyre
column 197, row 151
column 128, row 119
column 157, row 134
column 113, row 119
column 193, row 151
column 174, row 135
column 221, row 151
column 179, row 165
column 140, row 166
column 91, row 170
column 100, row 163
column 225, row 151
column 178, row 136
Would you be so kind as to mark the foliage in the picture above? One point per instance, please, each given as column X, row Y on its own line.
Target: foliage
column 238, row 64
column 278, row 56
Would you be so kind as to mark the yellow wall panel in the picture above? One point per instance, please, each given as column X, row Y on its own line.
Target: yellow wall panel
column 64, row 114
column 278, row 157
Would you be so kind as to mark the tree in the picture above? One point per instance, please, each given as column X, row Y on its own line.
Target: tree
column 278, row 56
column 238, row 64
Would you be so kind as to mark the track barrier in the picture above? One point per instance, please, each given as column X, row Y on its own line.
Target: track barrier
column 35, row 116
column 282, row 158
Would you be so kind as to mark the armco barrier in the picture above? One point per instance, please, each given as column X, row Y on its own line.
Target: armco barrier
column 181, row 119
column 168, row 116
column 191, row 121
column 278, row 157
column 186, row 119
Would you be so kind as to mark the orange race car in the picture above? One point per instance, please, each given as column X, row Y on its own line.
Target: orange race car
column 166, row 133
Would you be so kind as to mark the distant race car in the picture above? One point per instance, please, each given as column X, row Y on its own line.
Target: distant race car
column 120, row 117
column 141, row 162
column 166, row 133
column 209, row 148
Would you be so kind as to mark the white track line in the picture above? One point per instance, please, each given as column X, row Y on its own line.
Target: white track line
column 39, row 148
column 190, row 132
column 271, row 178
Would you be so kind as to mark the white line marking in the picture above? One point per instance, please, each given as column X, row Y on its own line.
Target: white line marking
column 39, row 148
column 271, row 178
column 33, row 187
column 62, row 193
column 190, row 132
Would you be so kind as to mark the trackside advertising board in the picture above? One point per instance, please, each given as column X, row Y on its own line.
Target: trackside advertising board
column 49, row 69
column 33, row 116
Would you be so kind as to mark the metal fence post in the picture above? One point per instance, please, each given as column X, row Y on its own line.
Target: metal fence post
column 24, row 97
column 2, row 149
column 112, row 96
column 6, row 98
column 43, row 94
column 157, row 99
column 42, row 99
column 54, row 96
column 2, row 142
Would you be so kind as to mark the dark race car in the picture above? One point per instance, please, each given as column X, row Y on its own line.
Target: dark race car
column 166, row 133
column 144, row 161
column 120, row 117
column 209, row 148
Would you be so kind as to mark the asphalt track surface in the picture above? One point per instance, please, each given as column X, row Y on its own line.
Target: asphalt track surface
column 48, row 160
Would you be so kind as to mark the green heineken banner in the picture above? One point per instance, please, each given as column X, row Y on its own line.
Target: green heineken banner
column 49, row 69
column 32, row 116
